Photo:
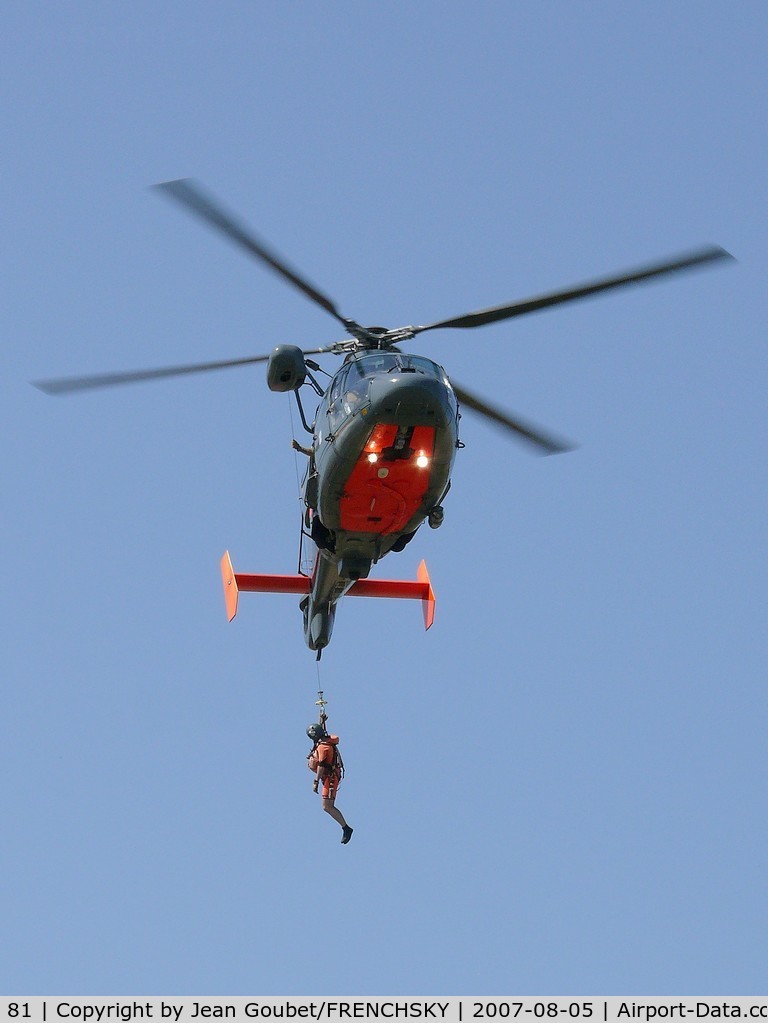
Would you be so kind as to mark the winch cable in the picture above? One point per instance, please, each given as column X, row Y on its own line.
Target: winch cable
column 295, row 453
column 321, row 701
column 302, row 566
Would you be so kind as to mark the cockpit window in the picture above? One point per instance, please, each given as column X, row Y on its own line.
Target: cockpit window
column 423, row 365
column 349, row 392
column 391, row 362
column 380, row 362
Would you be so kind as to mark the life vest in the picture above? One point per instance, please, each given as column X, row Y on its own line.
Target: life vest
column 326, row 754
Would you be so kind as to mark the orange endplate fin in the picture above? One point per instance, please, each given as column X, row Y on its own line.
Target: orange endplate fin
column 428, row 602
column 229, row 580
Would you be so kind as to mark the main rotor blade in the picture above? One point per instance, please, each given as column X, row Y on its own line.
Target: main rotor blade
column 546, row 444
column 687, row 261
column 190, row 195
column 67, row 385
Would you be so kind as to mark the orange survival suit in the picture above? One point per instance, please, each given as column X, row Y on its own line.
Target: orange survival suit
column 325, row 755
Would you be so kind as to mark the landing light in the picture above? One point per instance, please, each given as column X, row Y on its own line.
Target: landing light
column 422, row 461
column 373, row 457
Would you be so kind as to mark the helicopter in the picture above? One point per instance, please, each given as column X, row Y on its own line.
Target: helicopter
column 384, row 434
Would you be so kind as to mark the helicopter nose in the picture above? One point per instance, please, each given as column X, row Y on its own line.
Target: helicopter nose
column 409, row 399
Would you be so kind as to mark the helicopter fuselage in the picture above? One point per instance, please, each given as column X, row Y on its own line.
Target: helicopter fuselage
column 384, row 439
column 385, row 433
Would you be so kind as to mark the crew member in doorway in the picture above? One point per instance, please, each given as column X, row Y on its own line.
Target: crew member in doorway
column 324, row 760
column 300, row 447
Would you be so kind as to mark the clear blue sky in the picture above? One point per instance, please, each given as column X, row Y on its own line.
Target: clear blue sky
column 562, row 787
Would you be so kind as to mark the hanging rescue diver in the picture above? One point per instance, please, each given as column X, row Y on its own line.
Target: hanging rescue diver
column 324, row 759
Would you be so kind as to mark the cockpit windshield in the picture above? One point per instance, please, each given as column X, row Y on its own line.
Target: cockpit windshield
column 348, row 392
column 392, row 362
column 378, row 362
column 422, row 365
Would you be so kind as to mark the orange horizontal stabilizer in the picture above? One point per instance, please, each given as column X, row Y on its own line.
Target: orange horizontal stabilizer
column 419, row 590
column 235, row 582
column 272, row 583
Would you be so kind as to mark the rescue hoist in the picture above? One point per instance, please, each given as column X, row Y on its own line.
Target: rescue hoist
column 322, row 703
